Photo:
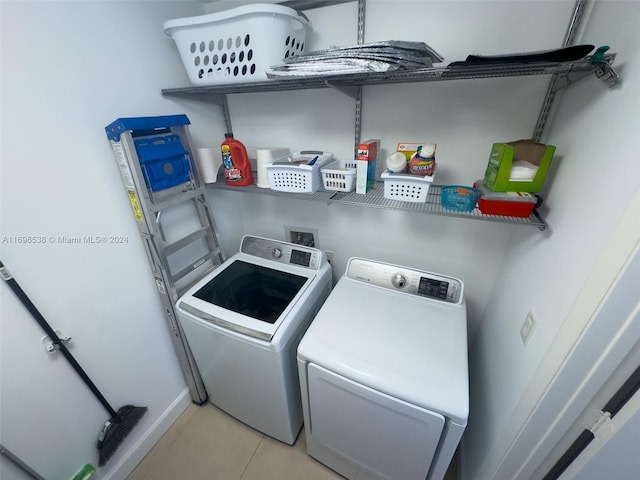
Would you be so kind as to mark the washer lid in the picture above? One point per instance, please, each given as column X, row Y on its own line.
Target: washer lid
column 252, row 295
column 410, row 347
column 258, row 288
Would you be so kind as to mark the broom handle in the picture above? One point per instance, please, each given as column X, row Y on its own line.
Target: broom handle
column 53, row 336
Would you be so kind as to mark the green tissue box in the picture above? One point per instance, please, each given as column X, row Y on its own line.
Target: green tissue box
column 519, row 166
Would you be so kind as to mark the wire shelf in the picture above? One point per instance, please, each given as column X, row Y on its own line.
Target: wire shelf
column 347, row 81
column 432, row 206
column 375, row 199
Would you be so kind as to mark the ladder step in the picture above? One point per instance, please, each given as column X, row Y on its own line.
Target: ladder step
column 177, row 199
column 188, row 240
column 194, row 266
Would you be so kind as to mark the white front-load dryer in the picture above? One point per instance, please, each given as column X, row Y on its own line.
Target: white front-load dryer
column 243, row 323
column 384, row 373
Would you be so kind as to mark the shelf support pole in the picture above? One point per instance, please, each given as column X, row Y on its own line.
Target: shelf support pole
column 358, row 92
column 227, row 115
column 552, row 89
column 358, row 123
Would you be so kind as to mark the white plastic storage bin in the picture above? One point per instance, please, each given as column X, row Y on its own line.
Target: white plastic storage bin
column 296, row 175
column 406, row 187
column 238, row 45
column 340, row 177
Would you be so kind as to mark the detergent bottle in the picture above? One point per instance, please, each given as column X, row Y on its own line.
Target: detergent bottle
column 237, row 168
column 423, row 162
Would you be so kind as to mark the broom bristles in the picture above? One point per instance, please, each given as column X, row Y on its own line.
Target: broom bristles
column 116, row 429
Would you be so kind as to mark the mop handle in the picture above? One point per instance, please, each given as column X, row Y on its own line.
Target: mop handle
column 53, row 336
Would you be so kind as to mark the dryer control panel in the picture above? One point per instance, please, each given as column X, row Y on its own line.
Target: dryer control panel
column 407, row 280
column 282, row 252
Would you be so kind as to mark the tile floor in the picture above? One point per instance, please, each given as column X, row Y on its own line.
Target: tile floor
column 206, row 443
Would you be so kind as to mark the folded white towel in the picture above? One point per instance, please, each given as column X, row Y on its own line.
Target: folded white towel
column 522, row 171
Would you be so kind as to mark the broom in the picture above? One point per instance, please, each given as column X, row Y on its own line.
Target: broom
column 121, row 422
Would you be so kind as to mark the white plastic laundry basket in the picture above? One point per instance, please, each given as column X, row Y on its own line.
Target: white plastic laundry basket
column 342, row 177
column 296, row 177
column 406, row 187
column 238, row 45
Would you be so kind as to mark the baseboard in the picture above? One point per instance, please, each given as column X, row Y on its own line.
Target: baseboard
column 139, row 450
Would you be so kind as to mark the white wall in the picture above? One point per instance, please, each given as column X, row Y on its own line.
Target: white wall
column 68, row 70
column 463, row 117
column 593, row 183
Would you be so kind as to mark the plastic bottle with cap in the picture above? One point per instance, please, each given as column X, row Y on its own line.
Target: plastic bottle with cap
column 397, row 163
column 237, row 168
column 423, row 162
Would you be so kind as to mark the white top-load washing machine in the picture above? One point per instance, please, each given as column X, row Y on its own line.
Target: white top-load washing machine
column 384, row 373
column 243, row 323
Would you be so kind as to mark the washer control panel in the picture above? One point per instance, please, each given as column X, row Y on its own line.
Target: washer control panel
column 282, row 252
column 407, row 280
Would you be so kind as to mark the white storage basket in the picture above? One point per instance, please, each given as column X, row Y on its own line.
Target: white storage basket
column 238, row 45
column 299, row 177
column 342, row 177
column 406, row 187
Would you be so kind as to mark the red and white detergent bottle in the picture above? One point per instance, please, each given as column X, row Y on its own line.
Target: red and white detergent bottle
column 423, row 162
column 237, row 168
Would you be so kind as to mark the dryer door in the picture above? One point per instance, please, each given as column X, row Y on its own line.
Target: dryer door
column 371, row 435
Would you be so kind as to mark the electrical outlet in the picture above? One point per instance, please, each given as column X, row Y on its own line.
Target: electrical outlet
column 528, row 326
column 302, row 236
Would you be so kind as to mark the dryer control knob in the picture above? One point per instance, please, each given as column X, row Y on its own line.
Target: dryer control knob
column 276, row 252
column 398, row 281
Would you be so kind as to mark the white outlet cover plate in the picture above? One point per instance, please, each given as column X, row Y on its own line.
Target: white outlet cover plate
column 528, row 326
